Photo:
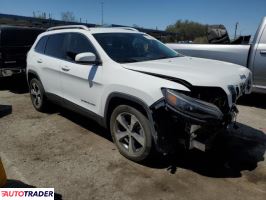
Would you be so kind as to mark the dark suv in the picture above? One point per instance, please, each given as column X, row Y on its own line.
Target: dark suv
column 15, row 42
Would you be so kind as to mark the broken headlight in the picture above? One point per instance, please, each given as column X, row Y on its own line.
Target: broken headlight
column 191, row 106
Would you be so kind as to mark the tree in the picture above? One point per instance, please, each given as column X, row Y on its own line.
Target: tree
column 186, row 31
column 68, row 16
column 135, row 26
column 39, row 14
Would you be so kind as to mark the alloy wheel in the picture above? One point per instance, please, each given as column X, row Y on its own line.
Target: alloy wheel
column 129, row 133
column 36, row 94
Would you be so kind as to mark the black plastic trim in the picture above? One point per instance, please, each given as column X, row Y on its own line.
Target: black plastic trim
column 76, row 108
column 126, row 97
column 32, row 72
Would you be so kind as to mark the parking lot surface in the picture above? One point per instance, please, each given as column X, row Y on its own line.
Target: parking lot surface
column 74, row 155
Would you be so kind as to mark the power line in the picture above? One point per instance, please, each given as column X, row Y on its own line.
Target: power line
column 236, row 29
column 102, row 3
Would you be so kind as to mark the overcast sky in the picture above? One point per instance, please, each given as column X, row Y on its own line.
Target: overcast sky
column 149, row 13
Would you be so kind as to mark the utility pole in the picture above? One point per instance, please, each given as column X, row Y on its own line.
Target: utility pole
column 236, row 29
column 102, row 11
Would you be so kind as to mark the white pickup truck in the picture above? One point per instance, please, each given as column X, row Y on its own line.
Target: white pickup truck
column 253, row 55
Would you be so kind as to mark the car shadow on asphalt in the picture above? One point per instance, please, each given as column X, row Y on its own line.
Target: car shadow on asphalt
column 19, row 184
column 5, row 110
column 232, row 153
column 85, row 122
column 16, row 84
column 254, row 99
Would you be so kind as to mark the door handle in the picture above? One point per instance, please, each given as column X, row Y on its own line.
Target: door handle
column 65, row 68
column 39, row 61
column 262, row 52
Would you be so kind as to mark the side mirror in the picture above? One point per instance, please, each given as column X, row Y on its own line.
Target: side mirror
column 86, row 57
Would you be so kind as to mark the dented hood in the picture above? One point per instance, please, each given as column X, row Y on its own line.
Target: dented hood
column 196, row 71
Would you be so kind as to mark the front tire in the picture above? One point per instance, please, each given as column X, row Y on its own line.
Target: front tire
column 131, row 132
column 37, row 95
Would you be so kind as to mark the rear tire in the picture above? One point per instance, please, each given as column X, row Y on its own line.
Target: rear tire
column 37, row 95
column 131, row 132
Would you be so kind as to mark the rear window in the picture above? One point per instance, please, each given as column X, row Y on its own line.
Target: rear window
column 41, row 44
column 18, row 37
column 55, row 45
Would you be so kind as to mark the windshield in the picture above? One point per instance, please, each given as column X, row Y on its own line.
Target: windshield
column 133, row 47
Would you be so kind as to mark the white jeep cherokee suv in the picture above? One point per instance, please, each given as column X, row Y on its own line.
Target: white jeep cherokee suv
column 149, row 96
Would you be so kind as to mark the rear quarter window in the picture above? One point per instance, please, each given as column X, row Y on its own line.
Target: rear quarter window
column 40, row 46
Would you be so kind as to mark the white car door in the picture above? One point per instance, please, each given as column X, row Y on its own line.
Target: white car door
column 259, row 64
column 81, row 82
column 50, row 63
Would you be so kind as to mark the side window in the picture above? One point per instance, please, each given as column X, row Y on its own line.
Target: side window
column 263, row 37
column 78, row 43
column 40, row 46
column 55, row 45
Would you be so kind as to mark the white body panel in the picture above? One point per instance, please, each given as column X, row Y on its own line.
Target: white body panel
column 48, row 69
column 89, row 86
column 197, row 71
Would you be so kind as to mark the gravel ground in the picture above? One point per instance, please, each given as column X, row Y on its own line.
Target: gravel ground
column 77, row 157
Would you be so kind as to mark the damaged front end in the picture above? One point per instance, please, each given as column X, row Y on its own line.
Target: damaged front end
column 191, row 118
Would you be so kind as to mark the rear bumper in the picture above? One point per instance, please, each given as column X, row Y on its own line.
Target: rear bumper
column 6, row 72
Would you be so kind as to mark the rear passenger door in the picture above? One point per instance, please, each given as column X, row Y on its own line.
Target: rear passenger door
column 81, row 83
column 51, row 62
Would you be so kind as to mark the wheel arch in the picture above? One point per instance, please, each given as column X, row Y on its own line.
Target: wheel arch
column 116, row 98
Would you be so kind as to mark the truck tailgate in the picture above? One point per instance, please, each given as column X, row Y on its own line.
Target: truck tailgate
column 237, row 54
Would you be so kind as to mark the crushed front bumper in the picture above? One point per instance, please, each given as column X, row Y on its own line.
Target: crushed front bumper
column 174, row 127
